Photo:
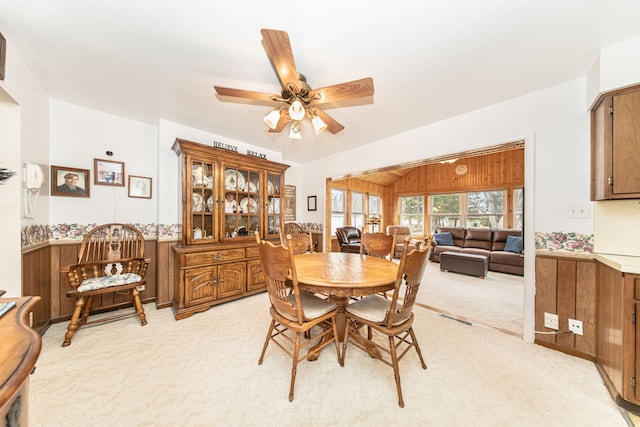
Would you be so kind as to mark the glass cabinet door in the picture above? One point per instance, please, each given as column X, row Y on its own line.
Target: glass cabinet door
column 203, row 202
column 242, row 203
column 274, row 205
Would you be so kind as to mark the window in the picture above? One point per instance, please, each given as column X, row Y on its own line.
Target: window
column 445, row 211
column 518, row 208
column 482, row 209
column 374, row 206
column 412, row 213
column 485, row 209
column 338, row 213
column 357, row 210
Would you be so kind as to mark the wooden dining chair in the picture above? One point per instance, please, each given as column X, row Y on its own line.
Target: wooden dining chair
column 110, row 262
column 391, row 318
column 294, row 313
column 381, row 245
column 302, row 242
column 293, row 228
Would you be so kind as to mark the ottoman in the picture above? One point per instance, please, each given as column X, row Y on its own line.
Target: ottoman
column 473, row 265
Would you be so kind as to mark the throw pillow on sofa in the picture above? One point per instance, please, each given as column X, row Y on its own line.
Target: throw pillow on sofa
column 513, row 244
column 444, row 239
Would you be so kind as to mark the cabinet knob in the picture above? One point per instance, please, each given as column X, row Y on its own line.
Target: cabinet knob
column 217, row 257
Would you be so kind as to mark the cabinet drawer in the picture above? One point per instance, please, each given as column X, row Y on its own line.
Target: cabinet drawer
column 213, row 257
column 252, row 252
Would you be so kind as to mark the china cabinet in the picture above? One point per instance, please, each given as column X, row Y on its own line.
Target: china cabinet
column 615, row 145
column 226, row 197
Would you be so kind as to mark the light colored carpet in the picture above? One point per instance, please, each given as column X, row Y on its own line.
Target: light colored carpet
column 203, row 371
column 496, row 301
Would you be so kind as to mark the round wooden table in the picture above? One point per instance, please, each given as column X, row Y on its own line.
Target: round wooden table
column 342, row 275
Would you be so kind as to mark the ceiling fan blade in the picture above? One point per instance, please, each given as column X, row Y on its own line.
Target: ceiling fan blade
column 282, row 122
column 247, row 94
column 343, row 91
column 276, row 44
column 332, row 125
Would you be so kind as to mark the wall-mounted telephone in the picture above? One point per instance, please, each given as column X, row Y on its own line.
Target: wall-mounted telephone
column 33, row 179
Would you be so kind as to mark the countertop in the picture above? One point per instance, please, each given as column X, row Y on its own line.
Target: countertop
column 623, row 263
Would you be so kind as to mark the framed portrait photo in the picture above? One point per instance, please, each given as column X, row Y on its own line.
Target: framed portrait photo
column 140, row 187
column 69, row 182
column 108, row 172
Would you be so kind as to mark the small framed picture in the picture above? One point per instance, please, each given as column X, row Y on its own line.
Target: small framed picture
column 3, row 55
column 108, row 172
column 70, row 182
column 140, row 187
column 311, row 203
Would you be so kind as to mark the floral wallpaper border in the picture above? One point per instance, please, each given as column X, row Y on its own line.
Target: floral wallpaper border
column 559, row 241
column 34, row 234
column 556, row 241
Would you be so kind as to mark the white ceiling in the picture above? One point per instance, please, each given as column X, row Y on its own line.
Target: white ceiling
column 429, row 59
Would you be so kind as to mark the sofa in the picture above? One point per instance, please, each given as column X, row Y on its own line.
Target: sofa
column 503, row 248
column 348, row 239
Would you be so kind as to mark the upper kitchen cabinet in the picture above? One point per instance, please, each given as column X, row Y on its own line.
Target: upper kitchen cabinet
column 615, row 145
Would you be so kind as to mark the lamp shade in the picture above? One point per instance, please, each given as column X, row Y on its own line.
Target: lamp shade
column 272, row 118
column 318, row 124
column 296, row 110
column 294, row 133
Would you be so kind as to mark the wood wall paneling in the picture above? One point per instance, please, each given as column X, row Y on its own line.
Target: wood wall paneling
column 566, row 286
column 545, row 301
column 566, row 300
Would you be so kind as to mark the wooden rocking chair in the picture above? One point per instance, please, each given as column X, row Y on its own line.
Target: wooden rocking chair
column 110, row 260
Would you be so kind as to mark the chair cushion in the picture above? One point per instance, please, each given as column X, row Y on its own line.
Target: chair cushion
column 108, row 281
column 445, row 239
column 312, row 305
column 514, row 244
column 373, row 308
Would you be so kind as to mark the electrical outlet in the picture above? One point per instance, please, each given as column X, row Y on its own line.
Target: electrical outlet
column 551, row 321
column 575, row 326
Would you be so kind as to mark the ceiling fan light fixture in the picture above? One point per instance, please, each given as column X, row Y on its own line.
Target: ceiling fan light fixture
column 296, row 110
column 294, row 132
column 272, row 118
column 318, row 124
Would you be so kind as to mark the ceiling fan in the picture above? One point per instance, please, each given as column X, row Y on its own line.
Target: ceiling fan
column 297, row 99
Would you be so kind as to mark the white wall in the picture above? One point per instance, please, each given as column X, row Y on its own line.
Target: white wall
column 558, row 119
column 80, row 135
column 23, row 136
column 10, row 274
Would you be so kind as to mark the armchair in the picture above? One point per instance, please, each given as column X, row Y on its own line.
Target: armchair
column 349, row 239
column 401, row 232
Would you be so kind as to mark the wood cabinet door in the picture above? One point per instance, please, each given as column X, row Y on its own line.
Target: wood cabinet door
column 255, row 275
column 231, row 279
column 626, row 143
column 200, row 285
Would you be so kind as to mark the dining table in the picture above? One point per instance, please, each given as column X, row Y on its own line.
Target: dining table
column 342, row 275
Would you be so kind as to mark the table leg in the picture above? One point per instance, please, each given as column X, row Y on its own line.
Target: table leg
column 341, row 302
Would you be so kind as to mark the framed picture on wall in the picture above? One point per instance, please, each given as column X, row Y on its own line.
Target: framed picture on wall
column 140, row 187
column 3, row 55
column 70, row 182
column 108, row 172
column 311, row 203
